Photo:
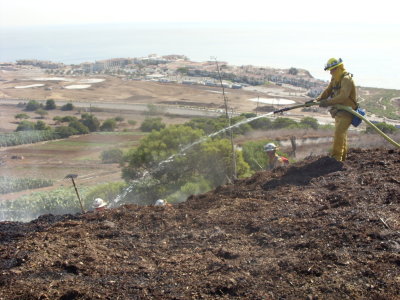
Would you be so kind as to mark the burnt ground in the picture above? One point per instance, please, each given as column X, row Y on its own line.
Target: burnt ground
column 319, row 229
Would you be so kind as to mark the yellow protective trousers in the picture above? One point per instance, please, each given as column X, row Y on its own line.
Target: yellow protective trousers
column 342, row 124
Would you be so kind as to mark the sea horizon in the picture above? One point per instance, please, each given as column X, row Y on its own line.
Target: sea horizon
column 369, row 52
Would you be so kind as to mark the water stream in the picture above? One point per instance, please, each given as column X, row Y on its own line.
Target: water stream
column 182, row 152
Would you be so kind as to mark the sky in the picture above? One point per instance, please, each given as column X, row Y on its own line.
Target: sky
column 62, row 12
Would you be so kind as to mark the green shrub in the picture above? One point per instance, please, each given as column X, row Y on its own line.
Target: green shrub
column 91, row 122
column 132, row 122
column 79, row 127
column 32, row 105
column 64, row 131
column 150, row 124
column 309, row 122
column 108, row 125
column 25, row 126
column 112, row 156
column 68, row 106
column 40, row 125
column 69, row 119
column 21, row 116
column 50, row 104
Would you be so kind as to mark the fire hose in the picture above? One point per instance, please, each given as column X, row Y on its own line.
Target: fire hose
column 348, row 109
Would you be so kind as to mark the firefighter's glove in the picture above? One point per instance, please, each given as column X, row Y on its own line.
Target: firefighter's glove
column 323, row 103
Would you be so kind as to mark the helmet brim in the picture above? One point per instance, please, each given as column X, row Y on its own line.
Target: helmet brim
column 333, row 67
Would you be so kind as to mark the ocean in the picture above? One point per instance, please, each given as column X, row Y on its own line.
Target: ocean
column 370, row 52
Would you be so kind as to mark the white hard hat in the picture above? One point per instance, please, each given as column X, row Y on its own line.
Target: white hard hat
column 160, row 202
column 269, row 147
column 98, row 202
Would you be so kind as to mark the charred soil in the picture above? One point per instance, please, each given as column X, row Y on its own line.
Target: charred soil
column 318, row 229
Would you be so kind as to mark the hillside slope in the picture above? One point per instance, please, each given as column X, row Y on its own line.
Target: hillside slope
column 319, row 229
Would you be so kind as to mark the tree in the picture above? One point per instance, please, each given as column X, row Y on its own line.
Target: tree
column 50, row 104
column 68, row 106
column 32, row 105
column 175, row 156
column 91, row 122
column 279, row 123
column 64, row 131
column 108, row 125
column 68, row 119
column 40, row 125
column 261, row 123
column 150, row 124
column 293, row 71
column 154, row 110
column 78, row 127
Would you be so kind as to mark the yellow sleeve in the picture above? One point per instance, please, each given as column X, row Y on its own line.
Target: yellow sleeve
column 326, row 93
column 344, row 94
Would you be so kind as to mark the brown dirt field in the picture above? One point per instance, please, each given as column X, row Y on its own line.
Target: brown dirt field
column 318, row 229
column 115, row 89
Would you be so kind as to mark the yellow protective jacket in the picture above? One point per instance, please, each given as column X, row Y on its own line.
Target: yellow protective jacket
column 342, row 91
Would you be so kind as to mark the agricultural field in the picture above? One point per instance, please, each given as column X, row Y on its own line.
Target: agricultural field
column 76, row 155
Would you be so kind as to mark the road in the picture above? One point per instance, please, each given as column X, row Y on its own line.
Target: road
column 170, row 109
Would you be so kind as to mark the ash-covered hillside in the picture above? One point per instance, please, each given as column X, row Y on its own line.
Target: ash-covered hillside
column 318, row 229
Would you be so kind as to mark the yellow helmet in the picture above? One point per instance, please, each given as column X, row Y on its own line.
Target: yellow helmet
column 333, row 63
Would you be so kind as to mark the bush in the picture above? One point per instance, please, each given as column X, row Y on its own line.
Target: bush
column 40, row 125
column 261, row 123
column 21, row 116
column 69, row 119
column 279, row 123
column 91, row 122
column 68, row 106
column 112, row 156
column 32, row 105
column 309, row 122
column 79, row 127
column 132, row 122
column 64, row 131
column 151, row 124
column 108, row 125
column 25, row 125
column 50, row 104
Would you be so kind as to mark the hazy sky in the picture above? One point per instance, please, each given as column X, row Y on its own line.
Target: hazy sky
column 48, row 12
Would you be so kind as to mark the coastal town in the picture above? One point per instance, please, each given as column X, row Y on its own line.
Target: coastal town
column 179, row 69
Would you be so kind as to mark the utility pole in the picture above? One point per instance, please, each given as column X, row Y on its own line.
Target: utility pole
column 234, row 175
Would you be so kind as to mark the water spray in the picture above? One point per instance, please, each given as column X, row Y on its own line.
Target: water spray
column 203, row 139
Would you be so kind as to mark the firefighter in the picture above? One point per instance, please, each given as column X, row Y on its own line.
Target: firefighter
column 99, row 204
column 341, row 90
column 274, row 160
